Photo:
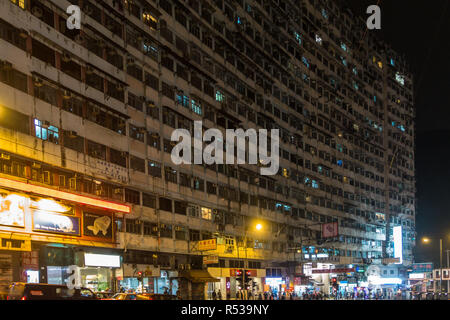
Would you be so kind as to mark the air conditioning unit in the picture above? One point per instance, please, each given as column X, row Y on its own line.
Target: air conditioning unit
column 89, row 70
column 79, row 39
column 23, row 33
column 66, row 57
column 37, row 82
column 66, row 95
column 5, row 156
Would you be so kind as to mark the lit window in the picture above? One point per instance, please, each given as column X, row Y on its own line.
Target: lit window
column 343, row 46
column 196, row 107
column 380, row 64
column 298, row 37
column 355, row 71
column 46, row 132
column 325, row 13
column 206, row 213
column 314, row 184
column 400, row 78
column 219, row 96
column 305, row 62
column 318, row 39
column 20, row 3
column 392, row 62
column 150, row 20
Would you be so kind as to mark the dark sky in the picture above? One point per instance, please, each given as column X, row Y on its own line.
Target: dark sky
column 421, row 30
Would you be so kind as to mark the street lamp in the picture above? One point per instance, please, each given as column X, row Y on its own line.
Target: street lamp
column 428, row 240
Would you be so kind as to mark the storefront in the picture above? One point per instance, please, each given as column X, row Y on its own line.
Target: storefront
column 44, row 231
column 230, row 282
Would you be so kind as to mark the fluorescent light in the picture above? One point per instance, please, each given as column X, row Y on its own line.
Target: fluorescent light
column 101, row 260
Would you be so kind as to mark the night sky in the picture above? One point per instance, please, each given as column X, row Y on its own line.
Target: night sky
column 421, row 31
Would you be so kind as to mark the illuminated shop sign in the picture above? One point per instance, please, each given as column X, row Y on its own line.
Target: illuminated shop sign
column 398, row 243
column 54, row 223
column 12, row 210
column 96, row 225
column 26, row 187
column 101, row 260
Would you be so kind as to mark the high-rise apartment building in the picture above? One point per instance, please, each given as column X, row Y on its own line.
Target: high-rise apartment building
column 86, row 175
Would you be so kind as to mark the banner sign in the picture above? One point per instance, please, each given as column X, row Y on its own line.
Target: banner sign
column 210, row 244
column 55, row 223
column 97, row 225
column 330, row 230
column 339, row 270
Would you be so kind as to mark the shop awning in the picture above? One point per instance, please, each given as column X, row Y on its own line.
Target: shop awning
column 198, row 276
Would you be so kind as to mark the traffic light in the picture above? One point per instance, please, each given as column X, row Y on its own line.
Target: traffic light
column 140, row 276
column 240, row 278
column 334, row 283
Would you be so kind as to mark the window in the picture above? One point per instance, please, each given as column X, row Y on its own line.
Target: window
column 154, row 168
column 148, row 200
column 199, row 184
column 206, row 213
column 118, row 157
column 132, row 196
column 165, row 230
column 165, row 204
column 180, row 207
column 133, row 226
column 154, row 140
column 45, row 131
column 196, row 107
column 137, row 133
column 43, row 53
column 180, row 233
column 170, row 174
column 137, row 164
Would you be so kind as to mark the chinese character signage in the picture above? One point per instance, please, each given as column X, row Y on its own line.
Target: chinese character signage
column 210, row 244
column 96, row 225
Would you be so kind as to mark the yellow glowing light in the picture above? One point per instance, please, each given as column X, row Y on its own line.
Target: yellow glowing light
column 8, row 183
column 50, row 205
column 426, row 240
column 259, row 226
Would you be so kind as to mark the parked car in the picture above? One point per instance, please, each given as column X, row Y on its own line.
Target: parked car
column 43, row 291
column 104, row 295
column 123, row 296
column 155, row 296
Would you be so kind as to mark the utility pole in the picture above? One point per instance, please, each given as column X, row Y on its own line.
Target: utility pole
column 440, row 264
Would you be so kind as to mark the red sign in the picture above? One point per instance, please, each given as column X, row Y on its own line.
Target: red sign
column 340, row 270
column 330, row 230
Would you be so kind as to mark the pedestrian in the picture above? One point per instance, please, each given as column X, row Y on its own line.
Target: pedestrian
column 179, row 294
column 260, row 296
column 214, row 295
column 219, row 295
